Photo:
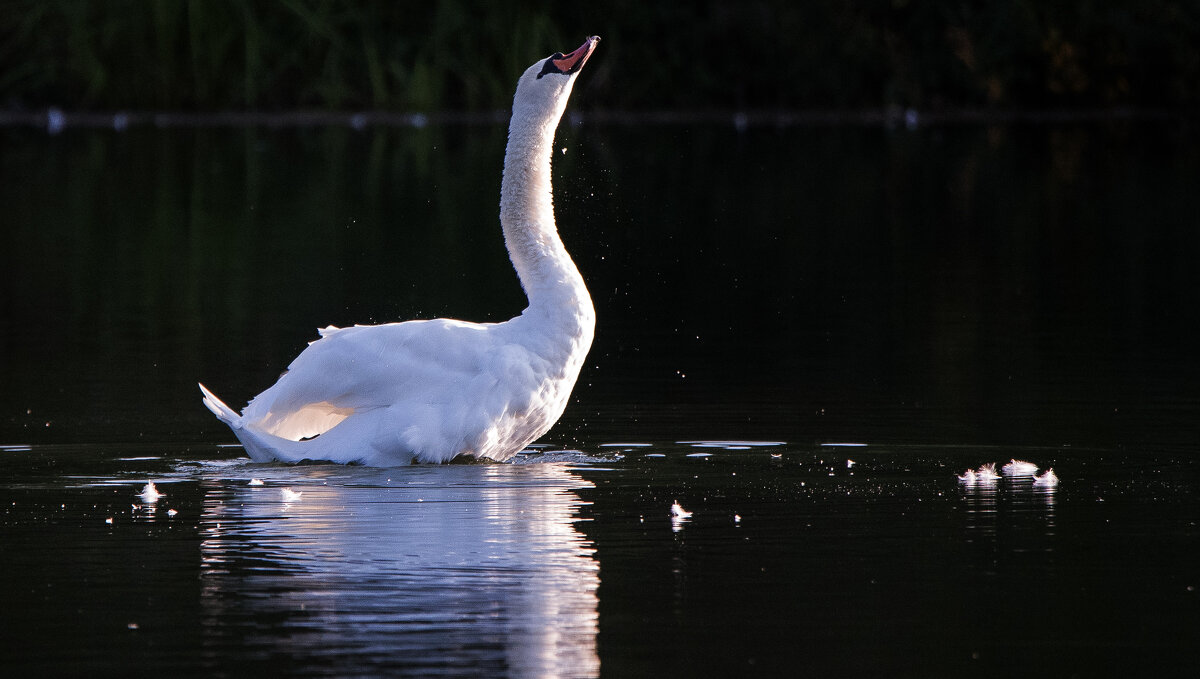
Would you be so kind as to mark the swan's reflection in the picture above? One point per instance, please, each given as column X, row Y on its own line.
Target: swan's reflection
column 463, row 569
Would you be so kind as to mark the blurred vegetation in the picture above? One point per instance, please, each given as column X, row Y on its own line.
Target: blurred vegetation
column 222, row 55
column 999, row 284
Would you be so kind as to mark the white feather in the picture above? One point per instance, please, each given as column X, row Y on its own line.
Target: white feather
column 150, row 493
column 1048, row 479
column 1017, row 467
column 678, row 512
column 987, row 472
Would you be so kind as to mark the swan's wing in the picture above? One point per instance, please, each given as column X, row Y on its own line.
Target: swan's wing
column 414, row 365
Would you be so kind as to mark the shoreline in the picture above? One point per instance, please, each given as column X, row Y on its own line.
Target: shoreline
column 54, row 120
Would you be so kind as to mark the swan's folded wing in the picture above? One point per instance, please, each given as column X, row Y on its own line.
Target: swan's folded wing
column 361, row 368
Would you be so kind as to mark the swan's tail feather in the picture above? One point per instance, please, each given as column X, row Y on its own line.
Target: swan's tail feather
column 218, row 408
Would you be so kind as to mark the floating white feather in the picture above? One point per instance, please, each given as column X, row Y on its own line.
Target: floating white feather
column 150, row 493
column 1019, row 468
column 678, row 512
column 986, row 472
column 1048, row 479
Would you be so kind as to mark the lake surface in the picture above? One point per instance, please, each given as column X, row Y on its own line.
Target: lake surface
column 941, row 298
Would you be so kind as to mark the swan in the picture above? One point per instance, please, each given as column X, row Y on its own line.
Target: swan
column 434, row 390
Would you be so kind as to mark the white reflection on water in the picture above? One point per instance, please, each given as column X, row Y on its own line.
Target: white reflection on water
column 1013, row 501
column 474, row 570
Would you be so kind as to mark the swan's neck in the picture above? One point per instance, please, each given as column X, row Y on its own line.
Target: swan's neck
column 548, row 275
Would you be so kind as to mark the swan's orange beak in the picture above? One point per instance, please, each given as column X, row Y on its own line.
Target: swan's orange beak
column 575, row 60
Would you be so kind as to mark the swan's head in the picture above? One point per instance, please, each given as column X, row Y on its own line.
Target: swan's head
column 546, row 85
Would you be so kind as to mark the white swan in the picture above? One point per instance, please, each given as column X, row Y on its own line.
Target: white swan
column 430, row 391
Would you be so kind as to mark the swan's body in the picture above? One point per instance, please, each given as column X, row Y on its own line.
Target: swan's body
column 430, row 391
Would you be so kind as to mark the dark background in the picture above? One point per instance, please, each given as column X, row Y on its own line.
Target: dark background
column 1010, row 284
column 223, row 55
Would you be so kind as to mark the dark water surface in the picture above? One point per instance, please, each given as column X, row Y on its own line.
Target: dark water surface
column 793, row 562
column 943, row 296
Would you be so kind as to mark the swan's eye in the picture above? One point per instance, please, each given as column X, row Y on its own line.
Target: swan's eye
column 551, row 65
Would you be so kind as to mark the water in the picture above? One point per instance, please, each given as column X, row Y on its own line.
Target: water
column 941, row 298
column 890, row 566
column 570, row 564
